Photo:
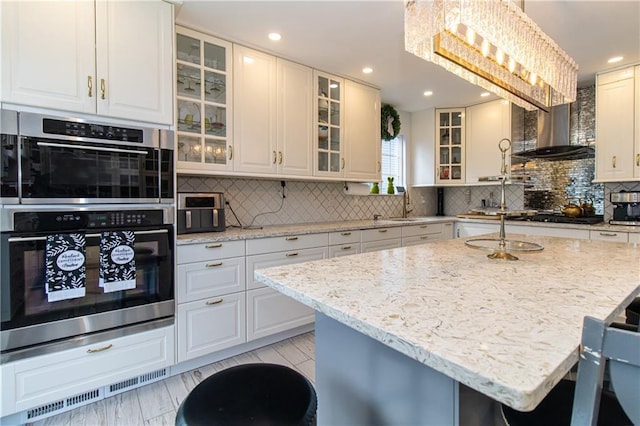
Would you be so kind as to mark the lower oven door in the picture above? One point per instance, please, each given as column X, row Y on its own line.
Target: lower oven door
column 29, row 318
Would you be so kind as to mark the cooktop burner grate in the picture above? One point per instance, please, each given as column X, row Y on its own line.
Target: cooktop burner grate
column 560, row 218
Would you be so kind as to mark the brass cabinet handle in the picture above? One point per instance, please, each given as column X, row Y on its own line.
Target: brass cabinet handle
column 424, row 237
column 342, row 160
column 104, row 348
column 213, row 265
column 90, row 85
column 230, row 152
column 102, row 88
column 382, row 230
column 637, row 159
column 379, row 166
column 613, row 161
column 346, row 248
column 608, row 234
column 214, row 302
column 291, row 254
column 275, row 157
column 280, row 157
column 458, row 233
column 424, row 226
column 345, row 233
column 213, row 246
column 291, row 238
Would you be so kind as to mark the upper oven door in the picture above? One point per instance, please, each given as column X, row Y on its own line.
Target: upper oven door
column 72, row 161
column 55, row 171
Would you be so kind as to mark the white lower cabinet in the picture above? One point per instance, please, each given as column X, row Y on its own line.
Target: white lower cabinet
column 424, row 233
column 344, row 243
column 49, row 378
column 466, row 229
column 614, row 236
column 547, row 231
column 380, row 239
column 207, row 326
column 270, row 312
column 210, row 295
column 634, row 238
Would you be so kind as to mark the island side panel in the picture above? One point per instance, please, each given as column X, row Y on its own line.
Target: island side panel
column 360, row 381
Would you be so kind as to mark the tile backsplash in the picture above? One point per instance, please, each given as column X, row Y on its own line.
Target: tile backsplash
column 259, row 201
column 461, row 199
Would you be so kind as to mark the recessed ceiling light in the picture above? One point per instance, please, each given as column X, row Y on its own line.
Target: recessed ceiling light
column 485, row 94
column 367, row 70
column 615, row 59
column 274, row 36
column 428, row 93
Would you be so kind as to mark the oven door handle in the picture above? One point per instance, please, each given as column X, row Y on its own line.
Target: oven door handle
column 92, row 148
column 18, row 239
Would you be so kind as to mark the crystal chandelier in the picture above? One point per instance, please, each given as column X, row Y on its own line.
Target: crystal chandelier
column 492, row 44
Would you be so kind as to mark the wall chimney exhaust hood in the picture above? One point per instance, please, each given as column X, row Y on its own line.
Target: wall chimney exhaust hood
column 553, row 138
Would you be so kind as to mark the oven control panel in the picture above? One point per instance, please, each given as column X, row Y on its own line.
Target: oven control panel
column 78, row 220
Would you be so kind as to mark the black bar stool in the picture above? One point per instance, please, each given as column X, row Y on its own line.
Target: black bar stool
column 251, row 394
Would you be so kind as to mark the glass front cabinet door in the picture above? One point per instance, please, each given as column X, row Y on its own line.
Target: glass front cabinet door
column 329, row 152
column 450, row 138
column 203, row 89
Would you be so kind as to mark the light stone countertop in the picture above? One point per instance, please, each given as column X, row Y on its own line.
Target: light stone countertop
column 508, row 329
column 232, row 233
column 303, row 228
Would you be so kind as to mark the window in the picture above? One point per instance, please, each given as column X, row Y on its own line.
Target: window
column 393, row 161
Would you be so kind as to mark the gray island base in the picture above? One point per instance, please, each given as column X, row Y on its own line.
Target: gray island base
column 361, row 381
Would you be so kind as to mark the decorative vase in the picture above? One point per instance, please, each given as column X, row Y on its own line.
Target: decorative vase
column 375, row 189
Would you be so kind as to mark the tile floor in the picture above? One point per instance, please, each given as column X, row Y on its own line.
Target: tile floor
column 157, row 403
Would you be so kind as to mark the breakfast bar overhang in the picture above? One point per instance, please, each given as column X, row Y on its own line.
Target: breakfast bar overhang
column 398, row 331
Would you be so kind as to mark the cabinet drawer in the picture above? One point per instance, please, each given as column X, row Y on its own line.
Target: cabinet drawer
column 381, row 234
column 420, row 239
column 207, row 326
column 208, row 279
column 290, row 242
column 344, row 250
column 380, row 245
column 262, row 261
column 431, row 228
column 209, row 251
column 270, row 312
column 43, row 379
column 618, row 237
column 344, row 237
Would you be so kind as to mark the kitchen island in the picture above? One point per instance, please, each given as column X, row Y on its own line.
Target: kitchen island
column 398, row 330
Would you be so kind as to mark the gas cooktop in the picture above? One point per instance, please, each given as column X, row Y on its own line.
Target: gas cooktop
column 560, row 218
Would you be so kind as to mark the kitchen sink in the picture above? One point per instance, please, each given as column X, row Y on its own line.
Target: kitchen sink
column 404, row 219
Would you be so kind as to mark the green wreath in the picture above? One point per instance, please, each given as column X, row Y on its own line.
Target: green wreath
column 389, row 120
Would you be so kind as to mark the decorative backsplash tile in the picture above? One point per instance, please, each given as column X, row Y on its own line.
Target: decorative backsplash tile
column 461, row 199
column 258, row 202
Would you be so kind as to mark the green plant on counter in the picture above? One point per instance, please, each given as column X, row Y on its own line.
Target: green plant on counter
column 375, row 189
column 390, row 188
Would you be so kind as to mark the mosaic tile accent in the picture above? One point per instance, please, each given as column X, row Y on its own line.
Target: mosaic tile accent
column 461, row 199
column 258, row 201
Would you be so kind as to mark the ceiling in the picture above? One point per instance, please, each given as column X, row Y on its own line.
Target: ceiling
column 342, row 37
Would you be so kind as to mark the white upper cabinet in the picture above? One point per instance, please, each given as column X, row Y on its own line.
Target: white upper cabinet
column 48, row 54
column 294, row 119
column 450, row 146
column 362, row 132
column 109, row 58
column 617, row 137
column 329, row 152
column 486, row 124
column 254, row 112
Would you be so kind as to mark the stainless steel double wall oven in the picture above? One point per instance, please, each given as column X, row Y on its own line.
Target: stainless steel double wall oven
column 64, row 179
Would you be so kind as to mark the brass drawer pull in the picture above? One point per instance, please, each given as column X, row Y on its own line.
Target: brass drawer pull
column 90, row 85
column 214, row 302
column 104, row 348
column 424, row 226
column 213, row 246
column 382, row 230
column 346, row 248
column 275, row 157
column 102, row 88
column 292, row 254
column 613, row 161
column 424, row 237
column 345, row 234
column 213, row 265
column 608, row 234
column 279, row 157
column 291, row 238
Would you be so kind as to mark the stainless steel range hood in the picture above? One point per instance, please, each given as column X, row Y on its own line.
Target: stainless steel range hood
column 553, row 138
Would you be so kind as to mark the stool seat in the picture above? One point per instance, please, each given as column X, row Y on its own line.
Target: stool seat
column 556, row 408
column 251, row 394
